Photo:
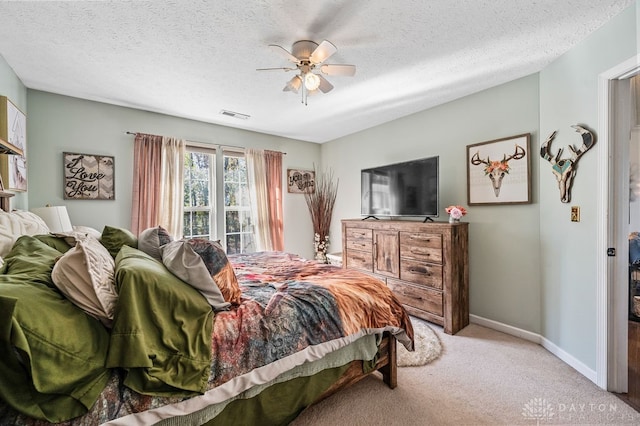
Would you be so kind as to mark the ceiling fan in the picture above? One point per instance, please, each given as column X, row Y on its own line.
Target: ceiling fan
column 308, row 56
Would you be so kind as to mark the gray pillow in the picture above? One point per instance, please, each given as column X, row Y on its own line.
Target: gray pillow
column 183, row 262
column 151, row 239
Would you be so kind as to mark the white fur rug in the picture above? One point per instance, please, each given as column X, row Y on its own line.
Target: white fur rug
column 427, row 346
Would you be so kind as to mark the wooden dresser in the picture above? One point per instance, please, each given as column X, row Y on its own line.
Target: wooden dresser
column 426, row 265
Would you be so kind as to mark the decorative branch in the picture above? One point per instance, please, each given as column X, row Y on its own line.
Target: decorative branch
column 321, row 201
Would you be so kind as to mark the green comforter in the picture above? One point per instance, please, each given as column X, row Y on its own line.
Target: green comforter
column 162, row 329
column 56, row 359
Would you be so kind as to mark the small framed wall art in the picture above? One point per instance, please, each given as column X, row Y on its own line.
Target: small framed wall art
column 88, row 177
column 13, row 145
column 499, row 171
column 300, row 181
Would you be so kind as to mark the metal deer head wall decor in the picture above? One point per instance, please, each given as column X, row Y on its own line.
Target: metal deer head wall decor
column 565, row 169
column 497, row 169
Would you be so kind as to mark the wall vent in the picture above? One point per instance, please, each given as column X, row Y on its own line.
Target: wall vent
column 234, row 114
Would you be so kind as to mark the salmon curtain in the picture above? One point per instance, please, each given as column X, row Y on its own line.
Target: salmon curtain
column 273, row 163
column 147, row 169
column 264, row 169
column 158, row 184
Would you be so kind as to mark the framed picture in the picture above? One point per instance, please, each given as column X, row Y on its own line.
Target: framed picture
column 13, row 138
column 13, row 169
column 300, row 181
column 88, row 177
column 499, row 171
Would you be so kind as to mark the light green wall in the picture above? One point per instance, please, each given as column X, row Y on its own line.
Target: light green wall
column 12, row 88
column 569, row 95
column 58, row 124
column 503, row 240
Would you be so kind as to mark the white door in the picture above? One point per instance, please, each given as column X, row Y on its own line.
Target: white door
column 616, row 120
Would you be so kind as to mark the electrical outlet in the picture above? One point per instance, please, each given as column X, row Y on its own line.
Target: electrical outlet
column 575, row 214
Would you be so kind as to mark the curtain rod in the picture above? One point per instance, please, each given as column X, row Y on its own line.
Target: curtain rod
column 203, row 144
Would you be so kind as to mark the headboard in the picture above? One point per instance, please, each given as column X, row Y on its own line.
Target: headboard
column 5, row 202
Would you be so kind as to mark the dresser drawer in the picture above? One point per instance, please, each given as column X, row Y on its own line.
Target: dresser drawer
column 359, row 239
column 359, row 260
column 421, row 273
column 421, row 246
column 418, row 297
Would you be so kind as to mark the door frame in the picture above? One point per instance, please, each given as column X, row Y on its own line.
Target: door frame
column 611, row 301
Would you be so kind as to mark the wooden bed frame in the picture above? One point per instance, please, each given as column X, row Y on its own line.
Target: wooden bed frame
column 385, row 364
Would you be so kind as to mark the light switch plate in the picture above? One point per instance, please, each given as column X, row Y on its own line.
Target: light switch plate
column 575, row 214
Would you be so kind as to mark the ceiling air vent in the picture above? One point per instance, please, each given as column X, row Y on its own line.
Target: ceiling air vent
column 234, row 114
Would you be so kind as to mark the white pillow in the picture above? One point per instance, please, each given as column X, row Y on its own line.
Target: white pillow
column 85, row 274
column 87, row 230
column 17, row 223
column 32, row 223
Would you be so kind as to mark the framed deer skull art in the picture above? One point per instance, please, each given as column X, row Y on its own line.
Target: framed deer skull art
column 498, row 171
column 564, row 169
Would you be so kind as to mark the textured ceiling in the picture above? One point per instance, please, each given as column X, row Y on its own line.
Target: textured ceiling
column 193, row 59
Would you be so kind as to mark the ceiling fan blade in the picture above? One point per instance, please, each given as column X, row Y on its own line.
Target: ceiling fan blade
column 293, row 85
column 283, row 52
column 338, row 69
column 323, row 52
column 276, row 69
column 325, row 86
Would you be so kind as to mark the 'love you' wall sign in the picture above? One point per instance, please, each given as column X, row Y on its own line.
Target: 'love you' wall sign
column 88, row 177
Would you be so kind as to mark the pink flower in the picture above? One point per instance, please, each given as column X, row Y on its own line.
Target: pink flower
column 456, row 212
column 501, row 165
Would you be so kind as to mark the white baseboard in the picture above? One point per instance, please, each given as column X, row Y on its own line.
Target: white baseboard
column 507, row 329
column 567, row 358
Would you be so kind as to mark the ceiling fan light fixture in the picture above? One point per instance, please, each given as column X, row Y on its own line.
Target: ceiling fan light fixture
column 293, row 85
column 308, row 56
column 311, row 81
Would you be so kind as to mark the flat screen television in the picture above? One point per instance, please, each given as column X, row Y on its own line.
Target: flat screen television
column 402, row 189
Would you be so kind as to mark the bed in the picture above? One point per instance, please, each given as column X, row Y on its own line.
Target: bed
column 299, row 332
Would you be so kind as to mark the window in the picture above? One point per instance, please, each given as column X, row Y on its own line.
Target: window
column 237, row 211
column 202, row 193
column 199, row 195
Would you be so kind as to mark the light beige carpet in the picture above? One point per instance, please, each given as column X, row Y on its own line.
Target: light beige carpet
column 483, row 377
column 427, row 346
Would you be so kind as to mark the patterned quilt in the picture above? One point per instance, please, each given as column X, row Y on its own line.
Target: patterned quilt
column 289, row 306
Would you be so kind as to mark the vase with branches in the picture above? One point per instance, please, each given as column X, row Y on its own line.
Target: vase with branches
column 320, row 201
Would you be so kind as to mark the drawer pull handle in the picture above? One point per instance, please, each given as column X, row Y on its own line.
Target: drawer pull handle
column 420, row 252
column 419, row 271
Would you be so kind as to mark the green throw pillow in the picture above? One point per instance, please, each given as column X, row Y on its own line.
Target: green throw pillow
column 32, row 258
column 57, row 243
column 114, row 238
